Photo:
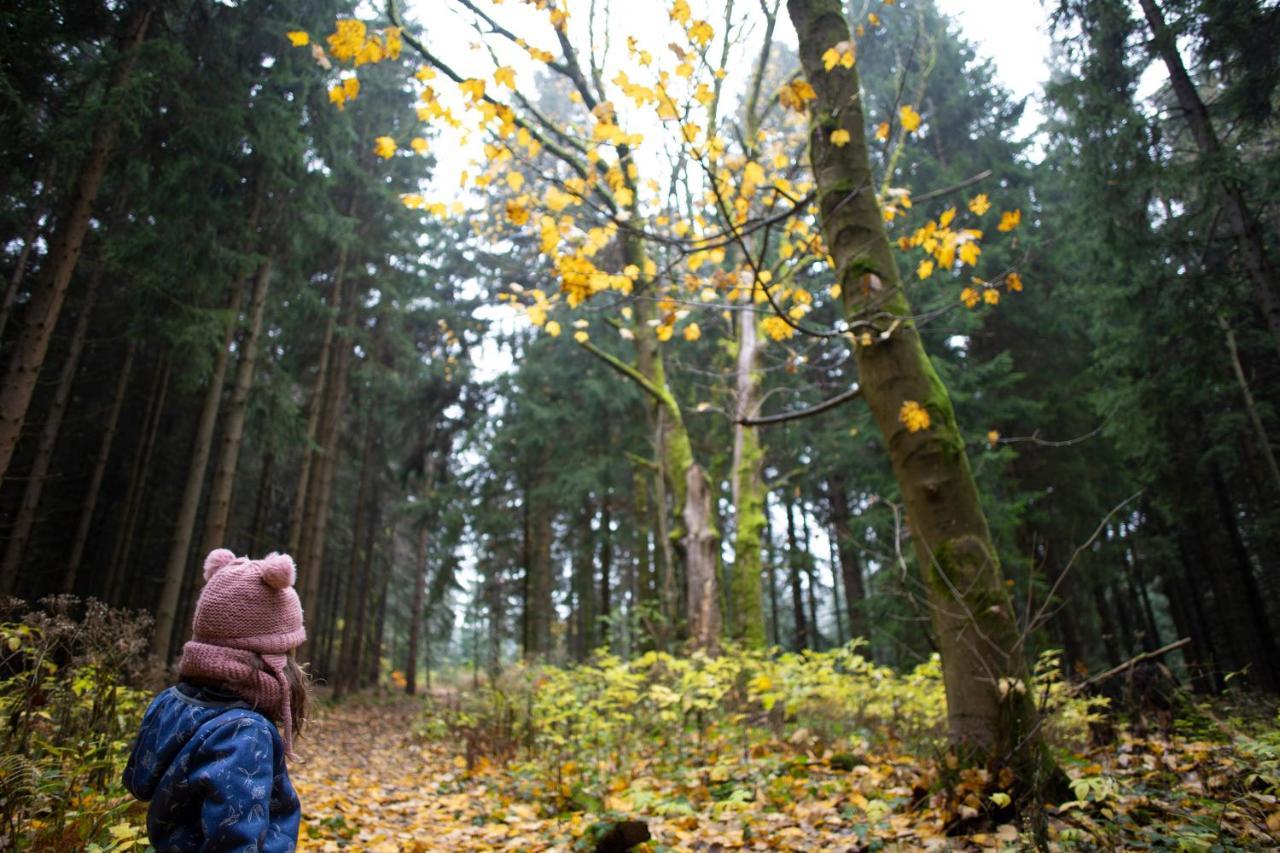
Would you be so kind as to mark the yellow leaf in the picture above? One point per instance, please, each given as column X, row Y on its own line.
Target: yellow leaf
column 581, row 337
column 384, row 147
column 692, row 332
column 796, row 95
column 840, row 138
column 351, row 88
column 882, row 131
column 505, row 76
column 298, row 38
column 947, row 215
column 969, row 297
column 830, row 58
column 1009, row 220
column 418, row 144
column 991, row 297
column 969, row 252
column 1014, row 281
column 425, row 73
column 701, row 32
column 993, row 437
column 910, row 118
column 473, row 88
column 515, row 180
column 914, row 416
column 925, row 269
column 664, row 332
column 979, row 204
column 552, row 328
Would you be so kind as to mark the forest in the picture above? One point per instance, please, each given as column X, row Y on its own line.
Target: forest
column 697, row 424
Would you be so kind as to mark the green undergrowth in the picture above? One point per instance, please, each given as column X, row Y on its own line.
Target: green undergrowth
column 69, row 716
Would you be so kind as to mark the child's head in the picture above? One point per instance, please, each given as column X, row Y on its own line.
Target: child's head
column 248, row 620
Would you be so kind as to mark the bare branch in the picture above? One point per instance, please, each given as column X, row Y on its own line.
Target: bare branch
column 818, row 409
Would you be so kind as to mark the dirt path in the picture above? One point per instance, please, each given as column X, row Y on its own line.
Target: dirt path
column 366, row 783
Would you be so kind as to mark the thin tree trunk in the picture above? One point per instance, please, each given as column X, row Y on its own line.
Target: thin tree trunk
column 700, row 563
column 1264, row 441
column 138, row 475
column 990, row 705
column 46, row 300
column 175, row 576
column 747, row 625
column 1250, row 244
column 811, row 579
column 346, row 661
column 538, row 607
column 833, row 560
column 801, row 635
column 415, row 611
column 303, row 498
column 771, row 572
column 224, row 470
column 90, row 501
column 606, row 570
column 257, row 526
column 28, row 241
column 20, row 533
column 313, row 545
column 855, row 595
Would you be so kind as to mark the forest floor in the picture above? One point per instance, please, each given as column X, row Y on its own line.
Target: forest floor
column 369, row 780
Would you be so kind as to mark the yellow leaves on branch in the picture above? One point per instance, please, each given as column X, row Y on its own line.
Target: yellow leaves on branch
column 384, row 147
column 351, row 41
column 341, row 93
column 505, row 76
column 796, row 95
column 910, row 118
column 969, row 296
column 914, row 416
column 777, row 328
column 473, row 88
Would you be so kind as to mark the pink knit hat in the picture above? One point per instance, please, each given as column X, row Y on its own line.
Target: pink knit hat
column 248, row 615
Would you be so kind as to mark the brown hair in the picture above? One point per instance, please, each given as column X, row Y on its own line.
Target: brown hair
column 299, row 693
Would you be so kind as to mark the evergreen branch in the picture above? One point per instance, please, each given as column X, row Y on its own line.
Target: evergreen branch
column 630, row 372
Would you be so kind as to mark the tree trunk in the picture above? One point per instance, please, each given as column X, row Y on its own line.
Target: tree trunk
column 90, row 501
column 801, row 635
column 855, row 595
column 747, row 608
column 46, row 300
column 256, row 527
column 324, row 468
column 28, row 241
column 583, row 586
column 1250, row 245
column 700, row 564
column 415, row 612
column 990, row 707
column 138, row 475
column 538, row 607
column 175, row 576
column 224, row 471
column 1260, row 431
column 811, row 579
column 346, row 661
column 606, row 570
column 303, row 498
column 25, row 520
column 771, row 572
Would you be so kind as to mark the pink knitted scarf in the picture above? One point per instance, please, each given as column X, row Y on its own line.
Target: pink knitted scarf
column 243, row 673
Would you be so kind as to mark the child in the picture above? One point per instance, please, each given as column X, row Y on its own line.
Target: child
column 208, row 756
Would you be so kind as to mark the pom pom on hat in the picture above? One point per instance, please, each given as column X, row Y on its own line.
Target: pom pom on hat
column 217, row 558
column 278, row 570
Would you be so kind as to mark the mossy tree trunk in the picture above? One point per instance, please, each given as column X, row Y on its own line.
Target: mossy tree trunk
column 990, row 709
column 748, row 491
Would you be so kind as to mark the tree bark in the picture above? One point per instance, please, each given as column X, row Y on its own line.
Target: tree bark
column 1247, row 228
column 850, row 561
column 700, row 563
column 28, row 241
column 138, row 475
column 800, row 638
column 415, row 612
column 538, row 607
column 90, row 501
column 20, row 533
column 298, row 518
column 175, row 576
column 46, row 300
column 606, row 570
column 224, row 470
column 346, row 660
column 745, row 592
column 990, row 707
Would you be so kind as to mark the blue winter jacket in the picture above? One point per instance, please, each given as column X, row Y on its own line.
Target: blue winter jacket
column 214, row 771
